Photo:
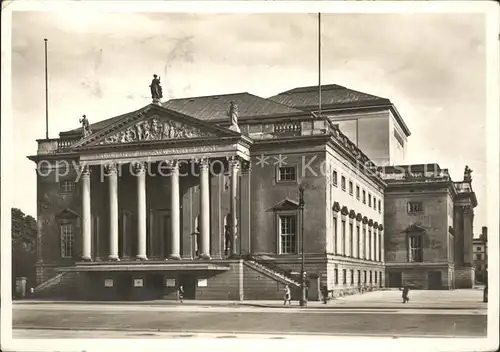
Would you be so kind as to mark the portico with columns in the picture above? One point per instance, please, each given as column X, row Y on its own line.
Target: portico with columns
column 190, row 185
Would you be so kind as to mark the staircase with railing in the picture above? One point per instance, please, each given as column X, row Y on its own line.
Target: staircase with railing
column 271, row 270
column 61, row 284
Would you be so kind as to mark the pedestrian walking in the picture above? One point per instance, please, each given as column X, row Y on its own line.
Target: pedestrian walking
column 324, row 293
column 405, row 290
column 288, row 296
column 180, row 294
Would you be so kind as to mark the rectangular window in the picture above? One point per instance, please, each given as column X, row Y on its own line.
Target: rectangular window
column 380, row 246
column 370, row 244
column 342, row 183
column 336, row 271
column 478, row 249
column 379, row 206
column 288, row 234
column 365, row 276
column 352, row 277
column 343, row 238
column 351, row 189
column 66, row 186
column 364, row 197
column 287, row 174
column 478, row 256
column 358, row 235
column 369, row 200
column 344, row 274
column 357, row 192
column 359, row 277
column 376, row 277
column 415, row 252
column 370, row 276
column 364, row 243
column 335, row 234
column 374, row 203
column 415, row 207
column 334, row 178
column 351, row 235
column 67, row 240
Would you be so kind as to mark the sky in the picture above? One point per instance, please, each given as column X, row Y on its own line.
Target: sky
column 431, row 66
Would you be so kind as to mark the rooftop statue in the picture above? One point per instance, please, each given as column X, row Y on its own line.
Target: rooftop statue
column 156, row 91
column 467, row 173
column 85, row 126
column 233, row 115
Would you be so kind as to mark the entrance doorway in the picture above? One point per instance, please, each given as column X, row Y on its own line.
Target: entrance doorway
column 188, row 282
column 160, row 239
column 434, row 280
column 395, row 279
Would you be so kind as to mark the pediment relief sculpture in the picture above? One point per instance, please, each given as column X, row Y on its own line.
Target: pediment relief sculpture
column 155, row 129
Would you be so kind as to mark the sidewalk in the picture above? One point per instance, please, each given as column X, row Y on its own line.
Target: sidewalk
column 390, row 299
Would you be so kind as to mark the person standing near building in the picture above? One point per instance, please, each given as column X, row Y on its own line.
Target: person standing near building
column 405, row 290
column 288, row 296
column 180, row 294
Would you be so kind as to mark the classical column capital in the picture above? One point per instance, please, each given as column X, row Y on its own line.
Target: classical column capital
column 110, row 168
column 246, row 167
column 234, row 162
column 139, row 167
column 84, row 169
column 172, row 164
column 203, row 163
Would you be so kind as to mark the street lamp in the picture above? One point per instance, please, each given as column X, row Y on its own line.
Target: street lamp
column 303, row 300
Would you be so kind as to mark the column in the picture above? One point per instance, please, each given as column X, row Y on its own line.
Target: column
column 175, row 234
column 140, row 173
column 86, row 215
column 245, row 190
column 216, row 228
column 113, row 211
column 468, row 235
column 234, row 166
column 205, row 209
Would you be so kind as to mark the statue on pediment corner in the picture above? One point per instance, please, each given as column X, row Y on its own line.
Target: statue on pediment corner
column 233, row 114
column 156, row 90
column 467, row 174
column 85, row 126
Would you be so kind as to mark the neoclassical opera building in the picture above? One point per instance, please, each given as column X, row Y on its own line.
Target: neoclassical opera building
column 203, row 193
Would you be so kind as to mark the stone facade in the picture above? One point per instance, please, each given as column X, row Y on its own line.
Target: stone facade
column 428, row 228
column 160, row 197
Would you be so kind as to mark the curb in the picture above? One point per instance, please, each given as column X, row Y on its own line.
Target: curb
column 256, row 305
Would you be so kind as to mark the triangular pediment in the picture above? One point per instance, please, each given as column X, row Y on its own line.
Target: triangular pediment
column 414, row 228
column 154, row 124
column 67, row 214
column 286, row 204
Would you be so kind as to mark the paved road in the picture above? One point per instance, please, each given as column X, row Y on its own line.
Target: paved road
column 246, row 320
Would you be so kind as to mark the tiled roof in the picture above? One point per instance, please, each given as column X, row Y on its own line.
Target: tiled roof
column 215, row 107
column 331, row 95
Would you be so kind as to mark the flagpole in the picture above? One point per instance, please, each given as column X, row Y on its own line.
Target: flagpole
column 319, row 64
column 46, row 95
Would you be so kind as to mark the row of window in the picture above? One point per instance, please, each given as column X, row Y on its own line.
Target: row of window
column 374, row 277
column 368, row 246
column 361, row 195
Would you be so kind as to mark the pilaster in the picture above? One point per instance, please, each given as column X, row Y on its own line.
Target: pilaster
column 245, row 207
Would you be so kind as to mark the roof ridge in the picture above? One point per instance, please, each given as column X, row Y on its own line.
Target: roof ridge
column 206, row 96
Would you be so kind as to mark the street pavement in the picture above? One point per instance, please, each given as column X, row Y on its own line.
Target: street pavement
column 458, row 313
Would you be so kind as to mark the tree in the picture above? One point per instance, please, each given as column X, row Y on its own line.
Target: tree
column 24, row 235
